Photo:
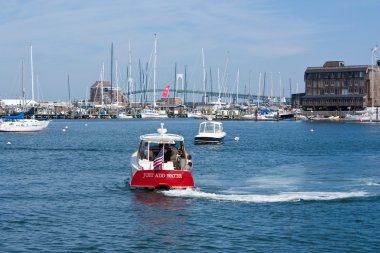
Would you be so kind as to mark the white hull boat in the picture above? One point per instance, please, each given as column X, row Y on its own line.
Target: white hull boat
column 210, row 132
column 23, row 125
column 151, row 114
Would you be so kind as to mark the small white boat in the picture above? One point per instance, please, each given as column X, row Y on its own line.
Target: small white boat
column 358, row 117
column 123, row 115
column 161, row 162
column 195, row 114
column 152, row 113
column 210, row 132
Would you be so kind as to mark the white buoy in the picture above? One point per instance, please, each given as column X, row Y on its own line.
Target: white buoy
column 85, row 124
column 236, row 138
column 63, row 130
column 8, row 143
column 66, row 127
column 312, row 130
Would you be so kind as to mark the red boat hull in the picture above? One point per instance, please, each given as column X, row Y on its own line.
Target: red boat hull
column 162, row 179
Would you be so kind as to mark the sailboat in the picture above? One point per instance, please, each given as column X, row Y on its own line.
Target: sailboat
column 154, row 113
column 17, row 123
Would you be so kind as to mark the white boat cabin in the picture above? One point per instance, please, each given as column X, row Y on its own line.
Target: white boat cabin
column 170, row 145
column 210, row 127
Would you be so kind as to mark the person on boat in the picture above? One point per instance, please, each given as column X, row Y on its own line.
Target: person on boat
column 167, row 153
column 176, row 157
column 148, row 154
column 174, row 153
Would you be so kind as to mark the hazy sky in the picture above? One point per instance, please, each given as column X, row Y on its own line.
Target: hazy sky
column 281, row 38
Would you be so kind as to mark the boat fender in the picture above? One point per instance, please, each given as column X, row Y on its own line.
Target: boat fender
column 189, row 157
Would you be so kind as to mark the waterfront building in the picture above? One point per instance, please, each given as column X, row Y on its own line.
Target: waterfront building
column 97, row 94
column 169, row 102
column 335, row 86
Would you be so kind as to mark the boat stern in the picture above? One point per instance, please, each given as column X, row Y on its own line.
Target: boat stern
column 162, row 179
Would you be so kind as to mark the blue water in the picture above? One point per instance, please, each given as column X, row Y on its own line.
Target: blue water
column 284, row 187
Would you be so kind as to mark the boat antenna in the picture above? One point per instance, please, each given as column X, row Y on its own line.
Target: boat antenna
column 154, row 70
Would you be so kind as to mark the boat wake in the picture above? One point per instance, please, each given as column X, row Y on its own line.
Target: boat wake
column 260, row 198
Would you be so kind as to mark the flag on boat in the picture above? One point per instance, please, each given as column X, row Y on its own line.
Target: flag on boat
column 166, row 91
column 374, row 50
column 159, row 160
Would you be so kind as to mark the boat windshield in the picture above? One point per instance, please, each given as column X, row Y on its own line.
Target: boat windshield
column 210, row 127
column 149, row 150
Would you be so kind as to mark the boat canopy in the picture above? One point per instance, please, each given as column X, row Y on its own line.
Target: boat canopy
column 165, row 138
column 18, row 116
column 210, row 127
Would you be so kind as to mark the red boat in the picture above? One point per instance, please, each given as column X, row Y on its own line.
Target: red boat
column 161, row 162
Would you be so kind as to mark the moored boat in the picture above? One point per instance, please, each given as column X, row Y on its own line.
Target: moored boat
column 17, row 123
column 210, row 132
column 123, row 115
column 152, row 113
column 161, row 162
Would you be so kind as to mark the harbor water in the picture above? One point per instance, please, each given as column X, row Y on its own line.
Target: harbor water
column 288, row 186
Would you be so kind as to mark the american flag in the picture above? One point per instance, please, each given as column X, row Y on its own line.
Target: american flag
column 159, row 160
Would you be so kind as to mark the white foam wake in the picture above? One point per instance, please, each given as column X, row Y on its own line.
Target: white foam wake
column 258, row 198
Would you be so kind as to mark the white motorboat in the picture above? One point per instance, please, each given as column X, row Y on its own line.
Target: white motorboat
column 161, row 162
column 210, row 132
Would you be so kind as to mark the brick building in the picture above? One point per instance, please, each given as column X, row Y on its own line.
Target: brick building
column 96, row 93
column 335, row 86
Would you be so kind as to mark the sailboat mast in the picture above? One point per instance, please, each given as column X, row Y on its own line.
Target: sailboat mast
column 31, row 69
column 185, row 91
column 265, row 75
column 210, row 84
column 140, row 80
column 101, row 83
column 175, row 80
column 68, row 87
column 237, row 87
column 290, row 88
column 146, row 83
column 271, row 85
column 204, row 75
column 281, row 89
column 117, row 86
column 258, row 95
column 111, row 72
column 154, row 70
column 38, row 89
column 22, row 86
column 130, row 79
column 218, row 84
